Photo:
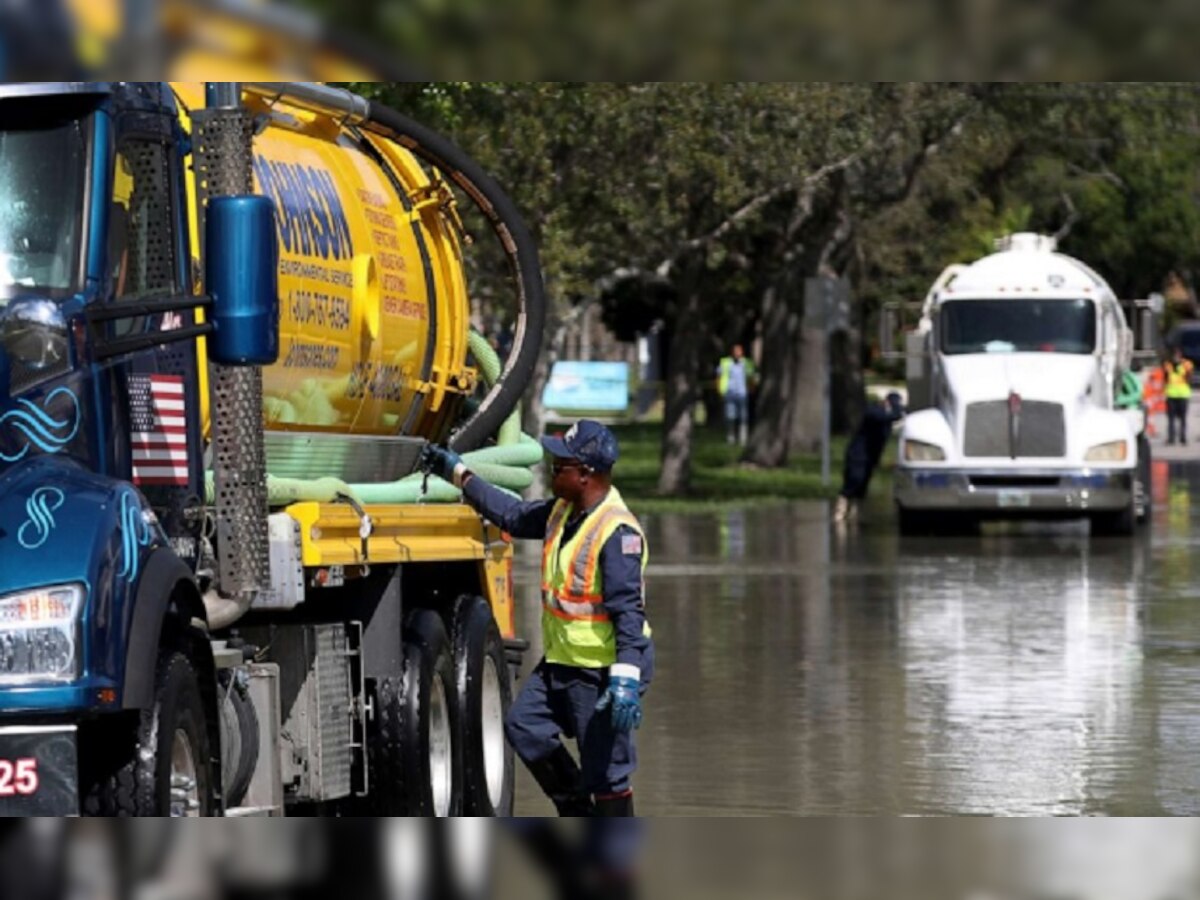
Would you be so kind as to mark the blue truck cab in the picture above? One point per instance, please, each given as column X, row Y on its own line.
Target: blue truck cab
column 101, row 453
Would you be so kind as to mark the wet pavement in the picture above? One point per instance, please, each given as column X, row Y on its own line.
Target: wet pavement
column 805, row 669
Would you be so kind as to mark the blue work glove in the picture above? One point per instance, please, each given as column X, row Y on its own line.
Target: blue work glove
column 442, row 462
column 623, row 697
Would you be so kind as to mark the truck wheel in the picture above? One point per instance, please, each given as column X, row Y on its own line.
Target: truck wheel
column 415, row 762
column 163, row 767
column 913, row 522
column 484, row 696
column 1141, row 484
column 1115, row 524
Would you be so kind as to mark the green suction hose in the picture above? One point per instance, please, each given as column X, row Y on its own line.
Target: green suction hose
column 506, row 465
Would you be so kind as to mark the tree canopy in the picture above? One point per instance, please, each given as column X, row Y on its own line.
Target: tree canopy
column 706, row 207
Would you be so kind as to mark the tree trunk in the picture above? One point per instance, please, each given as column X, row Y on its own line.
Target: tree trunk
column 824, row 237
column 682, row 390
column 807, row 395
column 849, row 389
column 768, row 444
column 789, row 404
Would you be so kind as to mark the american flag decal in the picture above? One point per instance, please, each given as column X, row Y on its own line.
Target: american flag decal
column 158, row 415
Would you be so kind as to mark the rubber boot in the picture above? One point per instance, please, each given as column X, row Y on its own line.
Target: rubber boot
column 615, row 805
column 559, row 859
column 559, row 778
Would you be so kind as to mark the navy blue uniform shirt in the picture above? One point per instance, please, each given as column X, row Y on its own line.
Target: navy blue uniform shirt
column 621, row 572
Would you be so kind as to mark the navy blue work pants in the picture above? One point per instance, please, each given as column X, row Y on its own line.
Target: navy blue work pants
column 559, row 702
column 1177, row 411
column 857, row 471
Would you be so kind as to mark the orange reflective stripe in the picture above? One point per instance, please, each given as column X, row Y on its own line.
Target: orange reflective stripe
column 593, row 559
column 580, row 582
column 569, row 617
column 583, row 565
column 573, row 608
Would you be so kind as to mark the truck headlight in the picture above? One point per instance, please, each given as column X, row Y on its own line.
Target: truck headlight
column 39, row 635
column 1113, row 451
column 919, row 451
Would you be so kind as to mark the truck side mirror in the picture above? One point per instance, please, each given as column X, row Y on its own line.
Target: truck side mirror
column 241, row 275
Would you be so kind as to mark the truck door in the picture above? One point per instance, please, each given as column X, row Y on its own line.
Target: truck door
column 158, row 448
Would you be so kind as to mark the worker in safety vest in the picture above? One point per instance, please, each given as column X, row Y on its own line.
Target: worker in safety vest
column 1178, row 372
column 599, row 657
column 735, row 378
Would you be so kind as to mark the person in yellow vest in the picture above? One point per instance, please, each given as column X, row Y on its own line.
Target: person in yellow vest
column 599, row 656
column 1178, row 373
column 736, row 377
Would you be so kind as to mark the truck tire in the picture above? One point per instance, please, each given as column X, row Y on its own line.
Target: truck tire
column 1115, row 524
column 913, row 522
column 1142, row 494
column 484, row 687
column 414, row 759
column 163, row 765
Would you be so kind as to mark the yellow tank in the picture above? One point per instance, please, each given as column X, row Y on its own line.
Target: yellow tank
column 373, row 304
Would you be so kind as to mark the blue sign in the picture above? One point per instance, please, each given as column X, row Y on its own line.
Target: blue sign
column 599, row 387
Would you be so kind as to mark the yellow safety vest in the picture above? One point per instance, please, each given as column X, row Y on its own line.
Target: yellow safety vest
column 576, row 629
column 1179, row 380
column 727, row 363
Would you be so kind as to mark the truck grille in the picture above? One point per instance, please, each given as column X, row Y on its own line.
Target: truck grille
column 1041, row 433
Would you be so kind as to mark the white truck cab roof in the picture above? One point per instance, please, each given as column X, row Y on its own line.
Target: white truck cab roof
column 1026, row 265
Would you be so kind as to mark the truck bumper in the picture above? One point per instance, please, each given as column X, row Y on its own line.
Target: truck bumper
column 39, row 770
column 1005, row 493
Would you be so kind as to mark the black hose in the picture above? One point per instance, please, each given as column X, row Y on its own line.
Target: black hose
column 518, row 243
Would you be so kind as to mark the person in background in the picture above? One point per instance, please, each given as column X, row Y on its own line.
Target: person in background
column 735, row 377
column 864, row 452
column 599, row 657
column 1178, row 372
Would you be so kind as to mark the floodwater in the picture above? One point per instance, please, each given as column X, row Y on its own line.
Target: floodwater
column 809, row 669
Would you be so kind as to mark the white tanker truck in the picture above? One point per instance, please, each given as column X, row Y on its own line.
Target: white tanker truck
column 1014, row 373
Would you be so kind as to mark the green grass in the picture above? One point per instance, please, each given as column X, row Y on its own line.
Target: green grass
column 718, row 479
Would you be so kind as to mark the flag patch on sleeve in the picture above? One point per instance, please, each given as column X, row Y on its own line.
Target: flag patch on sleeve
column 631, row 544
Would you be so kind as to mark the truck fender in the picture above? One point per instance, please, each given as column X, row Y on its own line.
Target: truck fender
column 929, row 426
column 167, row 590
column 1099, row 426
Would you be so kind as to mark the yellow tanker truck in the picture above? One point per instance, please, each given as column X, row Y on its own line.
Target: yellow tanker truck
column 231, row 315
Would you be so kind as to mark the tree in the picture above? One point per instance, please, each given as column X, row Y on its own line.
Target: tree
column 706, row 207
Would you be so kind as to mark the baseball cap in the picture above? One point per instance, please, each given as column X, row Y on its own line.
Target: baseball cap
column 587, row 441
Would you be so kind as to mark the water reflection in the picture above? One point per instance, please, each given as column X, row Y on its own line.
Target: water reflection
column 809, row 670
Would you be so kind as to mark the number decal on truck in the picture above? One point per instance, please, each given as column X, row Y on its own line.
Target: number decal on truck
column 20, row 777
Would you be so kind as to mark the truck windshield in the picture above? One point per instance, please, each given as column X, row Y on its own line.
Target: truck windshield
column 41, row 209
column 1018, row 326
